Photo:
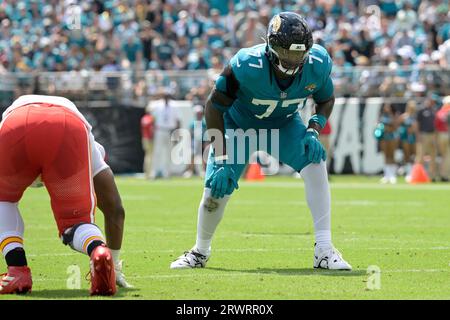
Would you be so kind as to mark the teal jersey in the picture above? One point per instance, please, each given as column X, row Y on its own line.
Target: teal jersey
column 260, row 102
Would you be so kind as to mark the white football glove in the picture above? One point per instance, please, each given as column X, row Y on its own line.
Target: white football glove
column 120, row 277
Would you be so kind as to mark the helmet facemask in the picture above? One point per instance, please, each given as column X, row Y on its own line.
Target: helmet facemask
column 288, row 41
column 288, row 61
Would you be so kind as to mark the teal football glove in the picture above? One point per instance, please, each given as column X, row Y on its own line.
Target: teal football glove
column 222, row 181
column 312, row 146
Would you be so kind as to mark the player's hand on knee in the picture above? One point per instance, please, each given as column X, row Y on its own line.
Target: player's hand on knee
column 313, row 148
column 223, row 181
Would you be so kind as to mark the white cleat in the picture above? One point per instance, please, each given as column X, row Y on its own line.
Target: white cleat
column 120, row 277
column 330, row 258
column 190, row 259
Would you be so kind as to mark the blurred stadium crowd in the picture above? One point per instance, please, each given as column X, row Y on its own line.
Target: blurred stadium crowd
column 108, row 35
column 113, row 35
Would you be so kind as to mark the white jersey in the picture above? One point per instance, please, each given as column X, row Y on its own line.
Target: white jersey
column 97, row 150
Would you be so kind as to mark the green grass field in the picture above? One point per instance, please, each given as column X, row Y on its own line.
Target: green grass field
column 263, row 248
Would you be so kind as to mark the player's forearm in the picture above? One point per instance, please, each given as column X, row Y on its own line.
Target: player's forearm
column 323, row 112
column 216, row 128
column 114, row 233
column 110, row 203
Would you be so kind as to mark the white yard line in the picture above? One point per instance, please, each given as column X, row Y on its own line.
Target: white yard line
column 291, row 184
column 168, row 251
column 364, row 203
column 249, row 273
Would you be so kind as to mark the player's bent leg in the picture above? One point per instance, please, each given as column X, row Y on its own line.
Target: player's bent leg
column 68, row 179
column 18, row 278
column 210, row 213
column 319, row 201
column 87, row 238
column 211, row 210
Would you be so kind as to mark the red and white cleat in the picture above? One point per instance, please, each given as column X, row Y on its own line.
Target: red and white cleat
column 103, row 276
column 16, row 280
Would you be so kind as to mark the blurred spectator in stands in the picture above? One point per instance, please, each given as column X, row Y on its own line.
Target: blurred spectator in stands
column 168, row 33
column 197, row 129
column 443, row 141
column 251, row 32
column 406, row 17
column 164, row 57
column 132, row 49
column 181, row 26
column 444, row 54
column 147, row 36
column 389, row 7
column 216, row 65
column 426, row 142
column 181, row 54
column 443, row 23
column 364, row 44
column 222, row 6
column 407, row 128
column 155, row 15
column 199, row 56
column 215, row 29
column 402, row 39
column 166, row 122
column 3, row 15
column 195, row 25
column 111, row 64
column 342, row 74
column 388, row 138
column 147, row 133
column 345, row 43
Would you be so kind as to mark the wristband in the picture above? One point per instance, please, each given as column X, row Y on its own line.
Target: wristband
column 313, row 131
column 320, row 119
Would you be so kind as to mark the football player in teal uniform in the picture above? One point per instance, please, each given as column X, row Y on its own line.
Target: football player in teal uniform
column 264, row 87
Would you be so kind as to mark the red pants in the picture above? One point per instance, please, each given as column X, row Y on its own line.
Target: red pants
column 53, row 142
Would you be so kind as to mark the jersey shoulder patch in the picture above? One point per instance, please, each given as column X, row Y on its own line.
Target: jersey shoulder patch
column 320, row 60
column 248, row 63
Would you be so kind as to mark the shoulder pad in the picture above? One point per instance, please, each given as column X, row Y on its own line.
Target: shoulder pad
column 248, row 63
column 320, row 60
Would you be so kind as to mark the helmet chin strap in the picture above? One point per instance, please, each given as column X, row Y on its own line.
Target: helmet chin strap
column 287, row 71
column 280, row 67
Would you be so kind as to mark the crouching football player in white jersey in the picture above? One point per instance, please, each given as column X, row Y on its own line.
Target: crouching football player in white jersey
column 46, row 138
column 263, row 87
